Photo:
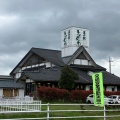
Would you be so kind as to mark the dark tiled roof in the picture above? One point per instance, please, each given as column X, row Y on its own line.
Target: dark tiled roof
column 9, row 82
column 100, row 68
column 53, row 75
column 5, row 77
column 51, row 55
column 89, row 67
column 54, row 56
column 44, row 75
column 110, row 78
column 66, row 59
column 84, row 78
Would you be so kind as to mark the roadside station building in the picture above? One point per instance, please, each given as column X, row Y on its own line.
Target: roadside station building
column 42, row 67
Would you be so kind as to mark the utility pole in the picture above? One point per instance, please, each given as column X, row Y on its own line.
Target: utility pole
column 110, row 64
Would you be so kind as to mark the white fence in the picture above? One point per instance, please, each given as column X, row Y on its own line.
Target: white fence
column 104, row 110
column 50, row 111
column 24, row 99
column 14, row 105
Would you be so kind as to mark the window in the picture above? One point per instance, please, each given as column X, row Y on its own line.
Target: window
column 110, row 96
column 30, row 87
column 114, row 97
column 113, row 89
column 91, row 87
column 118, row 88
column 91, row 96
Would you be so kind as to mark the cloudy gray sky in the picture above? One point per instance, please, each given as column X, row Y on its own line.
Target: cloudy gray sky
column 38, row 23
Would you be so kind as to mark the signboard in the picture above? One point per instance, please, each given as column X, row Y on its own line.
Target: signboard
column 98, row 89
column 72, row 38
column 75, row 36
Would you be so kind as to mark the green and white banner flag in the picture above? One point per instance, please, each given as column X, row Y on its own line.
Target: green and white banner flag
column 98, row 90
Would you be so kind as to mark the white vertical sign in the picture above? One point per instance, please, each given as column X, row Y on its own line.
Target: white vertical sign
column 72, row 38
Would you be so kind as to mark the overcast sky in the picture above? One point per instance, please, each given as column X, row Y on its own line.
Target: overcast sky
column 38, row 23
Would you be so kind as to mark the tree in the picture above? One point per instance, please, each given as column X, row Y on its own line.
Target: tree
column 67, row 78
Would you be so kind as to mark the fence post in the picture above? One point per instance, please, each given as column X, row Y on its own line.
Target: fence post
column 104, row 112
column 48, row 114
column 40, row 105
column 21, row 106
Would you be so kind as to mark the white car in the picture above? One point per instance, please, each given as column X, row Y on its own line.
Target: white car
column 116, row 98
column 107, row 100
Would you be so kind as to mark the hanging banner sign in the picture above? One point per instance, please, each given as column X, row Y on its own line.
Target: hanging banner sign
column 98, row 91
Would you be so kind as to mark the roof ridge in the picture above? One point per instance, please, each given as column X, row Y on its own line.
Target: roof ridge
column 41, row 70
column 45, row 49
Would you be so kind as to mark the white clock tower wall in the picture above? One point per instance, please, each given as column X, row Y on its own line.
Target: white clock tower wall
column 72, row 38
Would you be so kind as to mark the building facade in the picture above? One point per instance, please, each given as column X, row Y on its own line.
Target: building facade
column 42, row 67
column 10, row 88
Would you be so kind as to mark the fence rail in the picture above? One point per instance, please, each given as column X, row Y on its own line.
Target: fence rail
column 53, row 108
column 24, row 99
column 104, row 110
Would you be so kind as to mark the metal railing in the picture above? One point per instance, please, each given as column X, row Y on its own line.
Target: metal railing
column 84, row 109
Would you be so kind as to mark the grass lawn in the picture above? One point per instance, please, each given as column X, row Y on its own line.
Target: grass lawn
column 63, row 114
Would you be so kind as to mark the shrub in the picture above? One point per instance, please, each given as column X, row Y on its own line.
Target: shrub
column 108, row 93
column 52, row 94
column 79, row 95
column 75, row 95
